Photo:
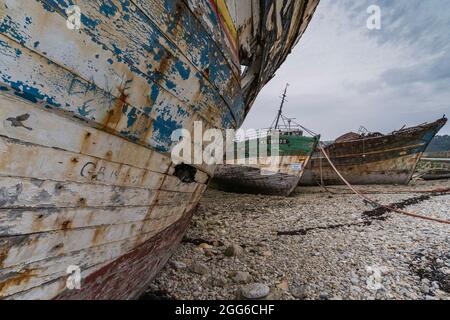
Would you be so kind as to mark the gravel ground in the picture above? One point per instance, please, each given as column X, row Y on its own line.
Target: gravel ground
column 313, row 245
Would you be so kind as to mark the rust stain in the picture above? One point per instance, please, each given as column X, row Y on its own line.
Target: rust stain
column 98, row 235
column 18, row 279
column 85, row 142
column 164, row 65
column 109, row 155
column 176, row 19
column 143, row 126
column 82, row 202
column 115, row 113
column 66, row 225
column 58, row 249
column 3, row 255
column 37, row 223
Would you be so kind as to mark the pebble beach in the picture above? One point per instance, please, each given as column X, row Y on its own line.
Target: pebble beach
column 314, row 245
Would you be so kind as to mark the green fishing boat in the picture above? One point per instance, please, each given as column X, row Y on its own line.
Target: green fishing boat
column 272, row 162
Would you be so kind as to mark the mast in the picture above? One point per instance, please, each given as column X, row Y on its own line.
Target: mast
column 281, row 106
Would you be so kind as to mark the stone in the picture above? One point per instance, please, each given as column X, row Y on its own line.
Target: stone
column 355, row 281
column 177, row 265
column 233, row 250
column 275, row 294
column 255, row 291
column 323, row 296
column 199, row 268
column 299, row 292
column 267, row 253
column 242, row 277
column 218, row 281
column 425, row 289
column 205, row 246
column 284, row 285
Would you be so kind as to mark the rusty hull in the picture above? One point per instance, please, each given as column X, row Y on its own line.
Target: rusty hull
column 382, row 159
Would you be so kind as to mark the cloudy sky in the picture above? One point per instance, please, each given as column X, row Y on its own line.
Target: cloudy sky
column 343, row 75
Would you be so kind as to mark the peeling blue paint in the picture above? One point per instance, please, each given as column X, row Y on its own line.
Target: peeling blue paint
column 162, row 132
column 154, row 93
column 88, row 22
column 183, row 70
column 84, row 110
column 132, row 117
column 29, row 93
column 108, row 9
column 170, row 84
column 167, row 118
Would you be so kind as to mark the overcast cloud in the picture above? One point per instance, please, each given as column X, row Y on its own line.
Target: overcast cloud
column 344, row 75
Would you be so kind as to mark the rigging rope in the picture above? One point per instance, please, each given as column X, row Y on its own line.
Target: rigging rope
column 414, row 215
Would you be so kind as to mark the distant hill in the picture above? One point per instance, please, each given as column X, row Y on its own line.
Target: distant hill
column 439, row 143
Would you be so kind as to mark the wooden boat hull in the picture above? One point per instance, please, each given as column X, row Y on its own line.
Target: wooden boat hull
column 247, row 179
column 436, row 175
column 273, row 174
column 389, row 159
column 87, row 114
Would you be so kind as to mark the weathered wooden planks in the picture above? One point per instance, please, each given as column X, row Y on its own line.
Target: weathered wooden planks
column 373, row 159
column 58, row 165
column 24, row 249
column 86, row 119
column 110, row 55
column 89, row 259
column 206, row 12
column 35, row 193
column 274, row 175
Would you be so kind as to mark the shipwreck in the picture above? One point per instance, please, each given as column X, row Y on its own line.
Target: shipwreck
column 90, row 92
column 372, row 158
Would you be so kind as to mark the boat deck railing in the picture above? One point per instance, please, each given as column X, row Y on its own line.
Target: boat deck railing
column 252, row 134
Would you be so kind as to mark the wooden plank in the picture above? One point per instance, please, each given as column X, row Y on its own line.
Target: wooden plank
column 141, row 52
column 16, row 222
column 65, row 92
column 53, row 164
column 205, row 12
column 35, row 193
column 52, row 130
column 179, row 25
column 45, row 291
column 24, row 249
column 40, row 274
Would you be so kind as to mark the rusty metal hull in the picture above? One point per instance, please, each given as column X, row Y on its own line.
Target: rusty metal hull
column 389, row 159
column 86, row 118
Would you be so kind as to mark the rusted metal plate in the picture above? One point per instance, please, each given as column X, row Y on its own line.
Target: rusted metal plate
column 389, row 159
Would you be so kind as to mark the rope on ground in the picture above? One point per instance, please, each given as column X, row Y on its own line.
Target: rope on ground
column 414, row 215
column 329, row 189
